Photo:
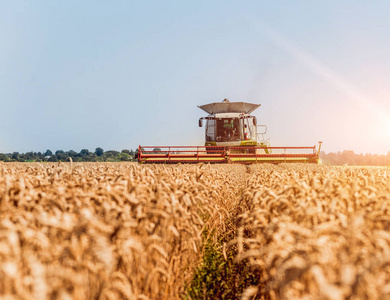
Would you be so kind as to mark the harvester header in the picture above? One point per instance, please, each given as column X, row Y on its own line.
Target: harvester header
column 232, row 135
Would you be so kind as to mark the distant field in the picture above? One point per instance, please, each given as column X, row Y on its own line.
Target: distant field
column 123, row 230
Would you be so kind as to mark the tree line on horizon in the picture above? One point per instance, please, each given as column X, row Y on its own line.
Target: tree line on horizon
column 83, row 156
column 346, row 157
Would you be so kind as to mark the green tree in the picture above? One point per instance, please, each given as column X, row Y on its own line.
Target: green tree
column 84, row 152
column 15, row 155
column 40, row 156
column 4, row 157
column 53, row 158
column 72, row 153
column 99, row 151
column 124, row 156
column 111, row 155
column 31, row 156
column 61, row 155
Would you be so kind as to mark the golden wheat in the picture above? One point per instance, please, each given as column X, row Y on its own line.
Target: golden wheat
column 122, row 230
column 318, row 232
column 105, row 230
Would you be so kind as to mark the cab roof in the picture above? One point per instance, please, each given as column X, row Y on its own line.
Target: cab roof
column 227, row 107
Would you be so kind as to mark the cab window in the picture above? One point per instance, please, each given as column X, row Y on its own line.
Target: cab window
column 228, row 130
column 210, row 130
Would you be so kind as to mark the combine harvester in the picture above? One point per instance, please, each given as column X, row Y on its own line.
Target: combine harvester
column 232, row 136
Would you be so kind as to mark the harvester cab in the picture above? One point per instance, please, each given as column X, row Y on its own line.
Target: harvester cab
column 232, row 135
column 230, row 124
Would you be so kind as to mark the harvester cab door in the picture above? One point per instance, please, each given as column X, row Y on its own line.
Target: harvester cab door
column 210, row 130
column 249, row 130
column 252, row 127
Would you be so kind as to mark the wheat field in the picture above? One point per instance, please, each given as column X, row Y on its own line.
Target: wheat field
column 129, row 231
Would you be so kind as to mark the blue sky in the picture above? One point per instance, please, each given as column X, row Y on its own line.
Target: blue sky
column 116, row 74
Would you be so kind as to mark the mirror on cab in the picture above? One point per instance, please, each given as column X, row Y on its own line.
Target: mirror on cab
column 254, row 121
column 200, row 122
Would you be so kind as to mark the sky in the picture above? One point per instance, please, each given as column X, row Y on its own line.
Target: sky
column 117, row 74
